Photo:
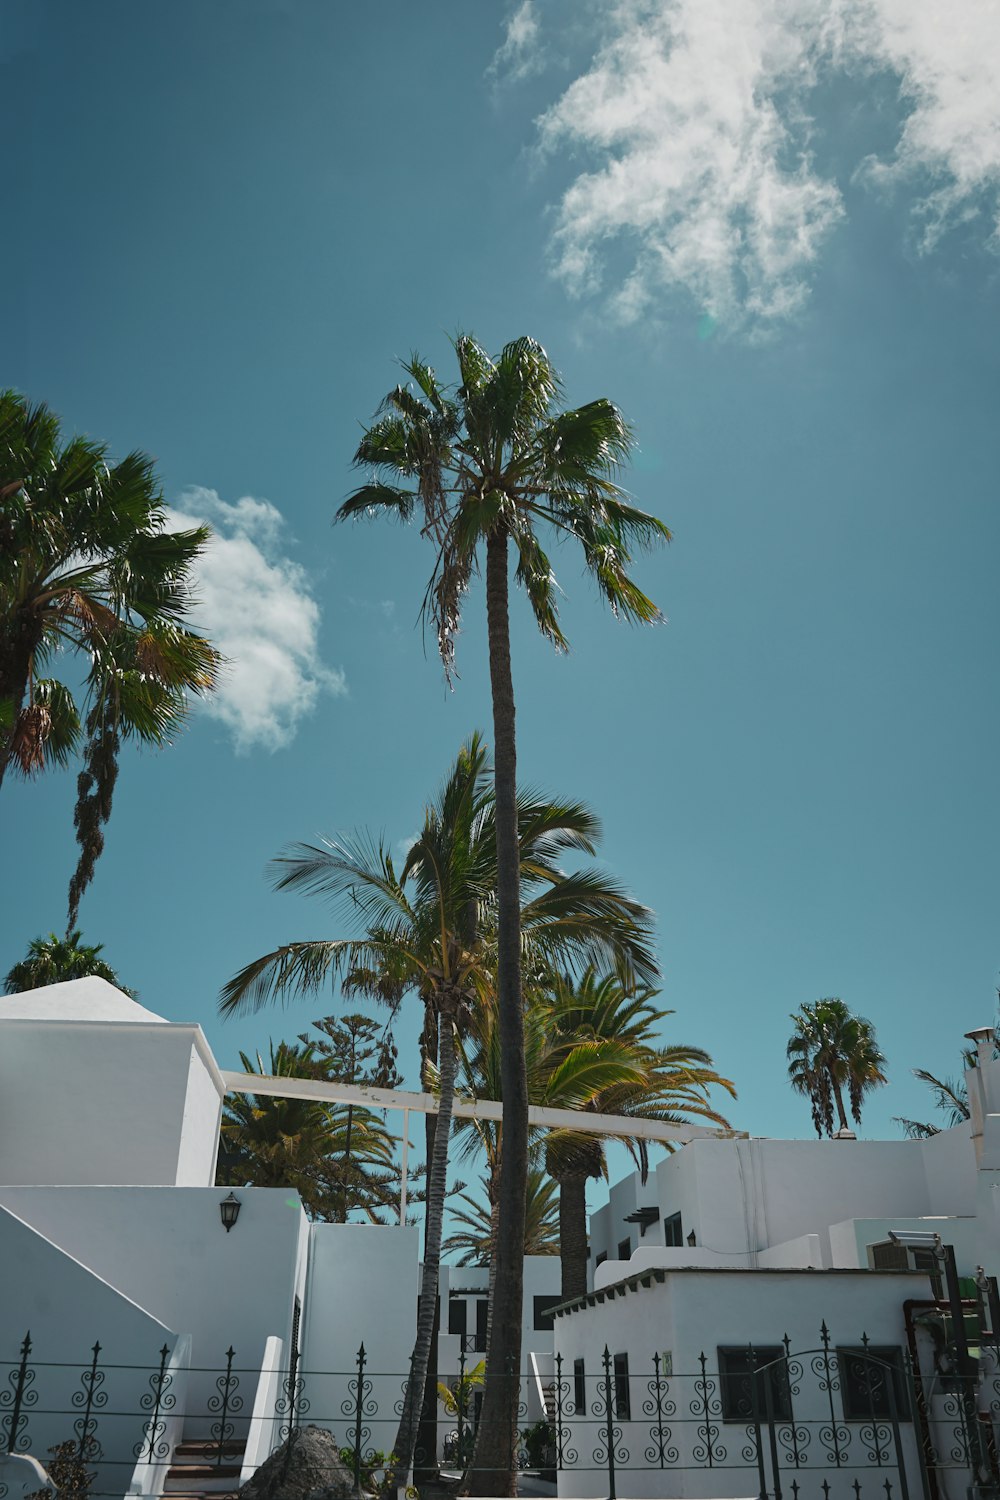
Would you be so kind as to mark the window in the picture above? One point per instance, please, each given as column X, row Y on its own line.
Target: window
column 867, row 1387
column 579, row 1388
column 602, row 1257
column 543, row 1313
column 482, row 1312
column 672, row 1232
column 743, row 1391
column 623, row 1403
column 458, row 1315
column 624, row 1249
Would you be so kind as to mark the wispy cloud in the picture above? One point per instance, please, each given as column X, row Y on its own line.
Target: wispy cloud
column 947, row 62
column 695, row 119
column 257, row 607
column 521, row 52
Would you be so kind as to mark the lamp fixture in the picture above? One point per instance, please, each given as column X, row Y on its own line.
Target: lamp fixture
column 692, row 1239
column 229, row 1209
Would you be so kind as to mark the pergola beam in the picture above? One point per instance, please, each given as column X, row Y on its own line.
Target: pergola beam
column 464, row 1109
column 469, row 1109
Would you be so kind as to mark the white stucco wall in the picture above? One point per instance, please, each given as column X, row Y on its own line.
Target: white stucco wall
column 102, row 1102
column 67, row 1310
column 362, row 1288
column 950, row 1170
column 850, row 1240
column 608, row 1226
column 166, row 1250
column 198, row 1148
column 743, row 1196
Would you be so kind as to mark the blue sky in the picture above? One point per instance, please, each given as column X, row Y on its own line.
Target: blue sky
column 768, row 231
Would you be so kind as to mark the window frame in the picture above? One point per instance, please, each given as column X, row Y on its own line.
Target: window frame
column 885, row 1355
column 622, row 1390
column 673, row 1231
column 547, row 1323
column 734, row 1383
column 458, row 1314
column 579, row 1388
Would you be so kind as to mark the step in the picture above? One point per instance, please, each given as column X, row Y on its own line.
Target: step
column 198, row 1494
column 206, row 1450
column 215, row 1479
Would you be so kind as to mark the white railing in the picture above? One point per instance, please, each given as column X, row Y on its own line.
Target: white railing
column 149, row 1474
column 263, row 1423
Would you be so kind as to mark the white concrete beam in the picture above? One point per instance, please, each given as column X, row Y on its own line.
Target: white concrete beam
column 470, row 1109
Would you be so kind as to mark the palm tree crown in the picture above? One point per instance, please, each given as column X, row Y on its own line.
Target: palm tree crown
column 471, row 1239
column 54, row 960
column 331, row 1160
column 607, row 1037
column 87, row 563
column 494, row 455
column 832, row 1051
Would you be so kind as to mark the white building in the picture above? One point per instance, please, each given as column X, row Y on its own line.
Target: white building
column 740, row 1242
column 111, row 1234
column 132, row 1316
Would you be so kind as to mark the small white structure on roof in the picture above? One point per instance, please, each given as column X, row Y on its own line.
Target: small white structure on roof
column 98, row 1089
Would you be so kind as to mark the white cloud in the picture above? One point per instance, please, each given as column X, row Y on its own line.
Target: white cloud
column 948, row 66
column 256, row 606
column 695, row 117
column 521, row 53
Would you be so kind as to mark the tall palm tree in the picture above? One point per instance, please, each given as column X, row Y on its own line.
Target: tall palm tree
column 430, row 929
column 472, row 1238
column 307, row 1145
column 87, row 563
column 54, row 960
column 485, row 464
column 832, row 1051
column 610, row 1033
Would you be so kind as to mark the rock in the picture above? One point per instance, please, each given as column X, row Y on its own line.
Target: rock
column 308, row 1464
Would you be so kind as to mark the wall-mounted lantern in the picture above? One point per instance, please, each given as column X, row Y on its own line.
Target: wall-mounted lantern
column 692, row 1239
column 229, row 1208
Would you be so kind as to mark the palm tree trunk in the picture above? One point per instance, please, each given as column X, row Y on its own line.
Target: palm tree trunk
column 344, row 1192
column 573, row 1236
column 494, row 1470
column 437, row 1181
column 494, row 1231
column 15, row 674
column 425, row 1469
column 840, row 1103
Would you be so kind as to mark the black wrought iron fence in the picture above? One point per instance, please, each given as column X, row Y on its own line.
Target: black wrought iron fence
column 834, row 1422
